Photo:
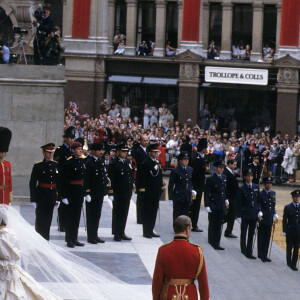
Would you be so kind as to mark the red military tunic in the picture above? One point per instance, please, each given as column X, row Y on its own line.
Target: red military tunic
column 5, row 182
column 180, row 259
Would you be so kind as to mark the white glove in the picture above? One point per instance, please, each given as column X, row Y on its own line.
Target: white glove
column 111, row 198
column 33, row 204
column 239, row 220
column 65, row 201
column 226, row 202
column 88, row 198
column 283, row 234
column 260, row 214
column 9, row 204
column 194, row 193
column 275, row 217
column 57, row 203
column 208, row 210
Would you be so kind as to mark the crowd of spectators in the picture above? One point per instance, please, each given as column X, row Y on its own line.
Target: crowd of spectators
column 279, row 154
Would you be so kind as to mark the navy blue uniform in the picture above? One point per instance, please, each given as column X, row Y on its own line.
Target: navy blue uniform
column 96, row 185
column 198, row 180
column 151, row 183
column 248, row 208
column 73, row 190
column 291, row 226
column 267, row 201
column 180, row 190
column 256, row 169
column 121, row 176
column 214, row 197
column 44, row 187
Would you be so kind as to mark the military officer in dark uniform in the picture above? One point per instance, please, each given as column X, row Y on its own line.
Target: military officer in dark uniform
column 267, row 199
column 291, row 230
column 60, row 155
column 44, row 187
column 96, row 186
column 256, row 168
column 249, row 212
column 73, row 193
column 198, row 180
column 139, row 153
column 151, row 185
column 231, row 191
column 215, row 203
column 247, row 156
column 181, row 187
column 121, row 176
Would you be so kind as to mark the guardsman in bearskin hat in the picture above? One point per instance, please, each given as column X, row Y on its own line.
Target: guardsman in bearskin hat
column 291, row 230
column 181, row 187
column 198, row 179
column 96, row 186
column 44, row 190
column 151, row 185
column 248, row 212
column 267, row 199
column 178, row 265
column 61, row 154
column 6, row 195
column 120, row 173
column 216, row 201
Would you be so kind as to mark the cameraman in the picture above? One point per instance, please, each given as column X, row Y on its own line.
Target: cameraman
column 54, row 46
column 4, row 53
column 43, row 21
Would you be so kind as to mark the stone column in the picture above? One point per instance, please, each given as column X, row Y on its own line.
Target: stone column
column 257, row 31
column 160, row 28
column 188, row 102
column 131, row 27
column 289, row 33
column 111, row 24
column 287, row 100
column 226, row 31
column 67, row 18
column 278, row 25
column 205, row 26
column 180, row 15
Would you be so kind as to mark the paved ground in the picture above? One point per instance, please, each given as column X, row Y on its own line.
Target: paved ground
column 231, row 276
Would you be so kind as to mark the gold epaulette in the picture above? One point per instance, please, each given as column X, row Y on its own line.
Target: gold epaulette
column 194, row 244
column 69, row 157
column 165, row 244
column 38, row 162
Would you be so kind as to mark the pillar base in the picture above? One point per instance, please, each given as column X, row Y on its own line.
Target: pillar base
column 159, row 52
column 291, row 50
column 196, row 47
column 255, row 56
column 87, row 46
column 225, row 55
column 130, row 50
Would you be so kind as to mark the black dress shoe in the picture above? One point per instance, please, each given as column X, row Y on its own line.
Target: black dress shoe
column 77, row 243
column 61, row 229
column 125, row 237
column 117, row 238
column 219, row 248
column 196, row 229
column 148, row 236
column 155, row 235
column 230, row 235
column 92, row 241
column 70, row 245
column 294, row 268
column 250, row 256
column 265, row 259
column 99, row 240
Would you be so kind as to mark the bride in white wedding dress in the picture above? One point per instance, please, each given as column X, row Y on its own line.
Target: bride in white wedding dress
column 32, row 268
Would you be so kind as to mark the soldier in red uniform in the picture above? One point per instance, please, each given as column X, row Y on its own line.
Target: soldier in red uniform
column 6, row 195
column 178, row 264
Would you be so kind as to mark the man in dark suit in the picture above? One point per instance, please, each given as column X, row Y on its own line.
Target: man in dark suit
column 96, row 185
column 151, row 185
column 198, row 180
column 267, row 199
column 139, row 153
column 249, row 212
column 44, row 185
column 291, row 230
column 61, row 154
column 231, row 191
column 181, row 187
column 256, row 167
column 215, row 203
column 121, row 175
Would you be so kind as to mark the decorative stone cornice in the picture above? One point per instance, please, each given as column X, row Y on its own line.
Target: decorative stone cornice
column 188, row 56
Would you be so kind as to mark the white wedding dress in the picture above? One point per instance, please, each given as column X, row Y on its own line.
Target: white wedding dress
column 15, row 283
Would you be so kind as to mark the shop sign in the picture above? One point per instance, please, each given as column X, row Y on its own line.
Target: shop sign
column 236, row 75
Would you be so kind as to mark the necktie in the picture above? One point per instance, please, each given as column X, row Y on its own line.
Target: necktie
column 250, row 188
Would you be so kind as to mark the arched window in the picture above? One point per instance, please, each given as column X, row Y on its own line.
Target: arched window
column 6, row 29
